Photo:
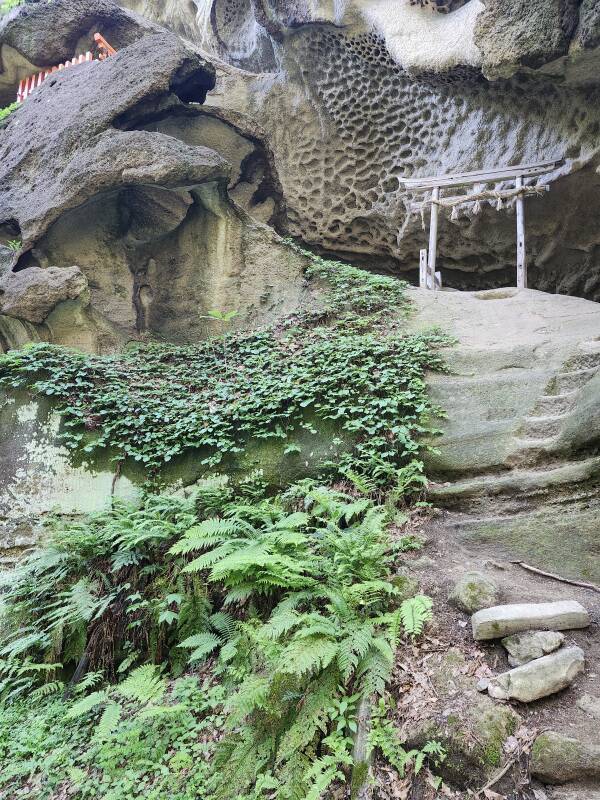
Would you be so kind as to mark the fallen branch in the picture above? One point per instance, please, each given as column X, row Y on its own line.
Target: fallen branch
column 554, row 577
column 500, row 774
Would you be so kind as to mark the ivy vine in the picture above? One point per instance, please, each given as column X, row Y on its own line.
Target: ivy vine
column 347, row 360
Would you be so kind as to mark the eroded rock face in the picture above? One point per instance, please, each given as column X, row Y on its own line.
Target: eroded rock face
column 32, row 293
column 161, row 204
column 364, row 94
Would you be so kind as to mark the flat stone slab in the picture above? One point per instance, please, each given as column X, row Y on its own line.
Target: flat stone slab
column 500, row 621
column 524, row 647
column 539, row 678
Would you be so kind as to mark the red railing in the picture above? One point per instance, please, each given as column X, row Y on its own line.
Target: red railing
column 28, row 85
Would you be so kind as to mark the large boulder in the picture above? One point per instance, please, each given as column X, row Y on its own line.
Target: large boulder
column 473, row 591
column 556, row 758
column 116, row 167
column 33, row 293
column 524, row 33
column 55, row 154
column 42, row 34
column 540, row 677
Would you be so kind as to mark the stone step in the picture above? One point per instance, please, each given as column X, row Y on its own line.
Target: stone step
column 542, row 427
column 556, row 758
column 499, row 621
column 569, row 381
column 540, row 677
column 550, row 404
column 530, row 450
column 516, row 481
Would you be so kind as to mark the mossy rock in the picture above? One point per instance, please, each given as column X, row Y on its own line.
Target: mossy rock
column 471, row 727
column 474, row 591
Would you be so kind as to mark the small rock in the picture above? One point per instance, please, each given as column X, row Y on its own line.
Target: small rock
column 423, row 562
column 571, row 792
column 482, row 684
column 500, row 621
column 590, row 704
column 524, row 647
column 473, row 591
column 539, row 678
column 406, row 586
column 558, row 759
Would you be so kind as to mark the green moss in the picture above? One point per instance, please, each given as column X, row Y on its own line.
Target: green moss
column 360, row 773
column 545, row 539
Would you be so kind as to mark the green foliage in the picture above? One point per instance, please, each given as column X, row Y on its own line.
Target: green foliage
column 93, row 592
column 4, row 113
column 5, row 7
column 306, row 626
column 414, row 613
column 287, row 601
column 349, row 364
column 318, row 579
column 118, row 750
column 384, row 738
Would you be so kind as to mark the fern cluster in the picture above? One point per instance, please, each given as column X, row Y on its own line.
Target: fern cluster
column 325, row 625
column 288, row 601
column 89, row 598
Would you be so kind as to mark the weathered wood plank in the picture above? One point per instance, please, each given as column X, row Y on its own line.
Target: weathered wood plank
column 423, row 269
column 505, row 194
column 521, row 254
column 479, row 176
column 433, row 228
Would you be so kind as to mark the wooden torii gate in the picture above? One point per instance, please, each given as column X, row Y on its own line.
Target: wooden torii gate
column 428, row 277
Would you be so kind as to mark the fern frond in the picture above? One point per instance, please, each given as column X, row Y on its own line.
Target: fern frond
column 210, row 558
column 252, row 694
column 87, row 704
column 280, row 622
column 206, row 534
column 224, row 624
column 353, row 648
column 306, row 656
column 313, row 716
column 202, row 644
column 145, row 684
column 46, row 689
column 415, row 612
column 109, row 720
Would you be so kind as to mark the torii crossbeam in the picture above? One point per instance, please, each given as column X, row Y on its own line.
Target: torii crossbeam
column 516, row 175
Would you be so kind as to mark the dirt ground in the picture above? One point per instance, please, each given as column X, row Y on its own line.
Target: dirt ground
column 443, row 559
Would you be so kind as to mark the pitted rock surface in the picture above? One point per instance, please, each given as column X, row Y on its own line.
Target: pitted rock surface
column 63, row 146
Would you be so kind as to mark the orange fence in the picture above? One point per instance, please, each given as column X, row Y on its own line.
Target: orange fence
column 27, row 86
